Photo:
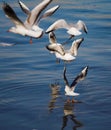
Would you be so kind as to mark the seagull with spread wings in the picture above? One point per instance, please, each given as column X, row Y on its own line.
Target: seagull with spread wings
column 29, row 27
column 72, row 29
column 70, row 89
column 60, row 52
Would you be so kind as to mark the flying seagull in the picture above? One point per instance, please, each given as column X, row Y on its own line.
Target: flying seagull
column 29, row 27
column 60, row 52
column 70, row 89
column 72, row 29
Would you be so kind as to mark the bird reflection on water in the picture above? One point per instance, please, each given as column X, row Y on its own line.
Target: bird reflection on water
column 68, row 108
column 55, row 93
column 69, row 115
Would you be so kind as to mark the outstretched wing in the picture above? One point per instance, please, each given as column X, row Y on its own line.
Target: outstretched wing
column 75, row 45
column 24, row 8
column 79, row 77
column 49, row 12
column 35, row 13
column 65, row 79
column 81, row 26
column 56, row 48
column 52, row 38
column 11, row 14
column 61, row 23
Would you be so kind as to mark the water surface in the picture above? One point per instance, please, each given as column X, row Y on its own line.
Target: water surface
column 27, row 72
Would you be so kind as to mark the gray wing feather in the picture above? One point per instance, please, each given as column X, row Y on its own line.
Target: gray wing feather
column 49, row 12
column 24, row 8
column 52, row 38
column 56, row 48
column 35, row 13
column 79, row 77
column 75, row 45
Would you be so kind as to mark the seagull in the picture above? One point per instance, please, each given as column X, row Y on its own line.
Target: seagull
column 7, row 44
column 72, row 29
column 60, row 52
column 29, row 27
column 47, row 13
column 69, row 89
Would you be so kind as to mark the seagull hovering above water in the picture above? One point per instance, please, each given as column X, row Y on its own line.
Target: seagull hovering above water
column 60, row 52
column 70, row 89
column 28, row 28
column 72, row 29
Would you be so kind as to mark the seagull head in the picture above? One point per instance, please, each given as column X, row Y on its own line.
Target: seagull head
column 12, row 29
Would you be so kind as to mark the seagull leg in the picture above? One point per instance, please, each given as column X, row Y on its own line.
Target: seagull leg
column 30, row 40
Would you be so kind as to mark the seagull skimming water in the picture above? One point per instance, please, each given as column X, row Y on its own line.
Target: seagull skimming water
column 70, row 89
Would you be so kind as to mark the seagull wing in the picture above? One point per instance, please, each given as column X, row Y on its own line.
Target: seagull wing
column 65, row 79
column 11, row 14
column 49, row 12
column 56, row 48
column 75, row 45
column 79, row 77
column 81, row 26
column 61, row 23
column 37, row 11
column 52, row 38
column 24, row 8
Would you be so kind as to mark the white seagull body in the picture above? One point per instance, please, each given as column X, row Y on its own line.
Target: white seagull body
column 70, row 89
column 60, row 52
column 72, row 29
column 65, row 57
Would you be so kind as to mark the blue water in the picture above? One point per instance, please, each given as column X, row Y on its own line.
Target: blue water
column 27, row 72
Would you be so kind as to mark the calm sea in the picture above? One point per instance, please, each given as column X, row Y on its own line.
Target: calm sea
column 27, row 72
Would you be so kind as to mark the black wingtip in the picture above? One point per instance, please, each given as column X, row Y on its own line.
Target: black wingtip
column 82, row 39
column 47, row 32
column 19, row 2
column 51, row 34
column 58, row 6
column 85, row 30
column 47, row 47
column 87, row 67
